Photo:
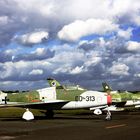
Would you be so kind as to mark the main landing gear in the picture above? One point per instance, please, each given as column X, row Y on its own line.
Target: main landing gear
column 49, row 114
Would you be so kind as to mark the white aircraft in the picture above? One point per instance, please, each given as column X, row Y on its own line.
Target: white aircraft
column 92, row 100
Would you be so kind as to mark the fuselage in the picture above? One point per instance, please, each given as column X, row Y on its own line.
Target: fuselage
column 34, row 96
column 74, row 100
column 88, row 99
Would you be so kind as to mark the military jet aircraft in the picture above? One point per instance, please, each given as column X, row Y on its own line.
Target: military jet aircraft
column 59, row 97
column 47, row 99
column 122, row 99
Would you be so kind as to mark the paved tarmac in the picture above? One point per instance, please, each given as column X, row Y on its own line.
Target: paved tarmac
column 123, row 126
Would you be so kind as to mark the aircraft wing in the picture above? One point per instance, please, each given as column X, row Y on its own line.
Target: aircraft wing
column 54, row 104
column 125, row 104
column 98, row 107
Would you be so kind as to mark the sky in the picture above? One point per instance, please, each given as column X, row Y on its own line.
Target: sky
column 84, row 42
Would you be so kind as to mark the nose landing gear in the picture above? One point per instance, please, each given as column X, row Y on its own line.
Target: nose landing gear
column 108, row 115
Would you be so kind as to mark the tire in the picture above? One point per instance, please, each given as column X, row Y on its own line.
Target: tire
column 49, row 114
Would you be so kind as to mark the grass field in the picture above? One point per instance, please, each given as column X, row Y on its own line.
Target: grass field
column 18, row 112
column 14, row 112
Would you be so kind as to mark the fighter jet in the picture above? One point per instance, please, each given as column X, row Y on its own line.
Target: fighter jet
column 57, row 97
column 47, row 99
column 121, row 99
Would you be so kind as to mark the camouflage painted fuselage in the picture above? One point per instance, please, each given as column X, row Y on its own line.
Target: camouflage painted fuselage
column 34, row 96
column 70, row 95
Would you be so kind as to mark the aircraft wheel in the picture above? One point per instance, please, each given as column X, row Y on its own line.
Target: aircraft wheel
column 108, row 118
column 49, row 114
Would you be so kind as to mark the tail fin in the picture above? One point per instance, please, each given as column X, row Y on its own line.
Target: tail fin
column 106, row 87
column 54, row 83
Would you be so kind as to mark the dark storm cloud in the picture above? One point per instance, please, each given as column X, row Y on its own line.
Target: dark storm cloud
column 87, row 46
column 23, row 17
column 24, row 85
column 4, row 57
column 44, row 54
column 115, row 51
column 92, row 78
column 79, row 65
column 10, row 21
column 15, row 20
column 39, row 54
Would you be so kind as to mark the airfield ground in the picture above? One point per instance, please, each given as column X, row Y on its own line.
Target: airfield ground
column 84, row 126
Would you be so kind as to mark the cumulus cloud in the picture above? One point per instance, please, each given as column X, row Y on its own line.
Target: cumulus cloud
column 23, row 85
column 127, row 47
column 93, row 61
column 81, row 63
column 36, row 72
column 3, row 20
column 26, row 70
column 74, row 31
column 93, row 44
column 7, row 55
column 16, row 55
column 22, row 16
column 126, row 34
column 137, row 75
column 32, row 38
column 112, row 51
column 77, row 70
column 89, row 66
column 119, row 69
column 133, row 46
column 38, row 54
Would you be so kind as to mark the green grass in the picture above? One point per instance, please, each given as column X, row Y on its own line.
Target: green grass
column 73, row 112
column 17, row 112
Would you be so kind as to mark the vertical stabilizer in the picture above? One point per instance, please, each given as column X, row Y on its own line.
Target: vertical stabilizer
column 54, row 83
column 106, row 88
